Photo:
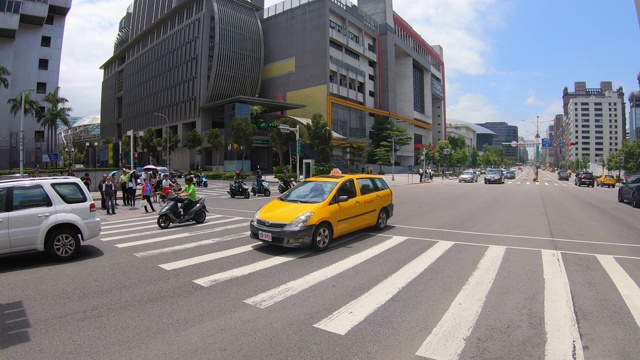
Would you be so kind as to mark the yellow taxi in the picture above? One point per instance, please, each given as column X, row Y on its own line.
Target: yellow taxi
column 322, row 208
column 606, row 180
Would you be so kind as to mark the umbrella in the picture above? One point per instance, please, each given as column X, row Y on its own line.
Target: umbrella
column 150, row 167
column 113, row 173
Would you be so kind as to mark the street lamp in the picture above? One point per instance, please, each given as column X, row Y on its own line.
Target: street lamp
column 167, row 136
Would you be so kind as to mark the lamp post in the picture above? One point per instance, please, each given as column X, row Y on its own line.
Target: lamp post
column 167, row 136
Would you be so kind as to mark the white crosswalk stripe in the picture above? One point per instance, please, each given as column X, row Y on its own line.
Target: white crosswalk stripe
column 446, row 340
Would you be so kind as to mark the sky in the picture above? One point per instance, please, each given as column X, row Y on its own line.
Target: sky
column 505, row 60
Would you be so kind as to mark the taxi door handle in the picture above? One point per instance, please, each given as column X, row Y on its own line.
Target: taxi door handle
column 44, row 215
column 357, row 202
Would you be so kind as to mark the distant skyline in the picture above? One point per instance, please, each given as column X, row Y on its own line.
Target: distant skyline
column 505, row 60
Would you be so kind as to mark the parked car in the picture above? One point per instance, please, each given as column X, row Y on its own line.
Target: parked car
column 509, row 174
column 468, row 176
column 176, row 173
column 163, row 170
column 606, row 180
column 494, row 176
column 630, row 191
column 585, row 178
column 52, row 214
column 322, row 208
column 563, row 175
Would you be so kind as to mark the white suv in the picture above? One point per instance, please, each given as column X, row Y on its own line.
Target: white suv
column 52, row 214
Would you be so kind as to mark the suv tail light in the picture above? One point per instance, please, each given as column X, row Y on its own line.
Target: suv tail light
column 92, row 207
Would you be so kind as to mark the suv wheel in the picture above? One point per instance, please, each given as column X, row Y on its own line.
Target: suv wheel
column 62, row 245
column 620, row 198
column 634, row 200
column 321, row 237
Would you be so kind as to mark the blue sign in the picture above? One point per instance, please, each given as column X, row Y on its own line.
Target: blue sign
column 562, row 143
column 410, row 168
column 50, row 157
column 546, row 143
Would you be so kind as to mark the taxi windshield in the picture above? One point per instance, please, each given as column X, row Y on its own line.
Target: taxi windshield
column 310, row 192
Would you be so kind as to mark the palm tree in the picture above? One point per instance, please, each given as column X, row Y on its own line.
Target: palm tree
column 4, row 72
column 49, row 119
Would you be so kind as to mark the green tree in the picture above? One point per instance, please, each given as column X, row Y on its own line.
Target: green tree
column 256, row 111
column 612, row 162
column 153, row 146
column 280, row 141
column 54, row 112
column 194, row 141
column 382, row 154
column 475, row 158
column 31, row 106
column 358, row 153
column 214, row 138
column 320, row 137
column 4, row 72
column 242, row 133
column 457, row 142
column 460, row 157
column 631, row 153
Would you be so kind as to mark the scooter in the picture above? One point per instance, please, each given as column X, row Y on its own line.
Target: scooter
column 238, row 188
column 261, row 186
column 171, row 214
column 282, row 187
column 166, row 194
column 202, row 181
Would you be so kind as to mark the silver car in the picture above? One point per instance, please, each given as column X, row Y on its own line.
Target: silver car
column 468, row 176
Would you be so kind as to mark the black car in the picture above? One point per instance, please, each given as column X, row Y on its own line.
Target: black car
column 563, row 175
column 630, row 191
column 494, row 176
column 509, row 174
column 585, row 178
column 176, row 173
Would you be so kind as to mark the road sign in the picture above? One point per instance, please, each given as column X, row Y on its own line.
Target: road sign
column 520, row 143
column 284, row 128
column 50, row 157
column 514, row 143
column 410, row 168
column 556, row 143
column 562, row 143
column 446, row 151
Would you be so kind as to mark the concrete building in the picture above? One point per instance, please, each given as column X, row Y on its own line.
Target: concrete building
column 354, row 63
column 31, row 34
column 199, row 63
column 594, row 121
column 505, row 135
column 634, row 114
column 475, row 135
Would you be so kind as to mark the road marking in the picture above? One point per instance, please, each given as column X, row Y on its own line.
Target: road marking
column 165, row 231
column 625, row 284
column 248, row 269
column 448, row 338
column 563, row 337
column 191, row 245
column 209, row 257
column 350, row 315
column 528, row 182
column 282, row 292
column 154, row 225
column 176, row 236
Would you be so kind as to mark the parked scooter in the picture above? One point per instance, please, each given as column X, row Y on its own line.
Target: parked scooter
column 238, row 188
column 261, row 186
column 286, row 185
column 201, row 180
column 171, row 214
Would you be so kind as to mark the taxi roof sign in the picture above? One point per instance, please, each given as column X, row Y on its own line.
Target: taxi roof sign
column 335, row 171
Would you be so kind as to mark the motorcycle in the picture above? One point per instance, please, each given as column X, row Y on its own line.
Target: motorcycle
column 261, row 186
column 171, row 214
column 282, row 187
column 202, row 181
column 165, row 194
column 238, row 188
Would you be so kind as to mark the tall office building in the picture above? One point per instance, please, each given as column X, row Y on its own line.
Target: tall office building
column 594, row 120
column 505, row 135
column 31, row 34
column 634, row 114
column 199, row 63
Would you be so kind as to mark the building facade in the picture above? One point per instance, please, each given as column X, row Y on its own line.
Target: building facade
column 196, row 64
column 505, row 135
column 634, row 114
column 595, row 121
column 31, row 34
column 352, row 64
column 475, row 135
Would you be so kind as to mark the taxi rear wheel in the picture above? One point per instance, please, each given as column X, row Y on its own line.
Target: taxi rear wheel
column 321, row 237
column 381, row 223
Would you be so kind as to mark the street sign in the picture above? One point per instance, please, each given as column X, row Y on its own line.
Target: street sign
column 410, row 168
column 284, row 128
column 562, row 143
column 514, row 143
column 520, row 143
column 50, row 157
column 556, row 143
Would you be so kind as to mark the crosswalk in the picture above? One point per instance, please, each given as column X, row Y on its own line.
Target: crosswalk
column 444, row 341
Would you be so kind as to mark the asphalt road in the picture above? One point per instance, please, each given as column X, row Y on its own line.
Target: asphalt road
column 522, row 270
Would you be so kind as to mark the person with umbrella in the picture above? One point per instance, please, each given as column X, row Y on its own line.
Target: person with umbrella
column 132, row 186
column 123, row 187
column 116, row 185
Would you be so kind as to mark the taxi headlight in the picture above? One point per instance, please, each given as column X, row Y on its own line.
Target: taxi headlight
column 255, row 217
column 300, row 221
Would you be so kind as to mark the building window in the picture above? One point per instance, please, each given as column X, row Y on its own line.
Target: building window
column 418, row 89
column 354, row 37
column 49, row 20
column 372, row 64
column 371, row 93
column 371, row 47
column 45, row 41
column 351, row 54
column 335, row 46
column 43, row 64
column 335, row 26
column 371, row 77
column 41, row 88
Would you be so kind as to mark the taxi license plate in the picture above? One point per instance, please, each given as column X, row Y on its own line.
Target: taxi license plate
column 264, row 236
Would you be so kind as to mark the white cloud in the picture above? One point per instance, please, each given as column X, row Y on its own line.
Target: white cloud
column 531, row 100
column 473, row 108
column 90, row 30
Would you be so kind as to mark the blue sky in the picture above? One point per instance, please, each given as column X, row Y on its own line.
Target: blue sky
column 505, row 60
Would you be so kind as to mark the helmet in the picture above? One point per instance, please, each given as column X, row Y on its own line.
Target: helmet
column 188, row 180
column 237, row 172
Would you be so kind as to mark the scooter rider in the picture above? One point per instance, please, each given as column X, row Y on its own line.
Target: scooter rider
column 285, row 179
column 259, row 178
column 187, row 195
column 237, row 181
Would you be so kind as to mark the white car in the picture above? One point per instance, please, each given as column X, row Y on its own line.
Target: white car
column 468, row 176
column 52, row 214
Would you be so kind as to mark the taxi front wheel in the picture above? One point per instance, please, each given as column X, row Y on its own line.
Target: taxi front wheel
column 321, row 237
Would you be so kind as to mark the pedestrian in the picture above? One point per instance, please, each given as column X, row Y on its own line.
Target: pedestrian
column 430, row 174
column 103, row 199
column 146, row 195
column 70, row 172
column 421, row 173
column 155, row 186
column 123, row 187
column 86, row 180
column 109, row 190
column 116, row 186
column 36, row 173
column 132, row 186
